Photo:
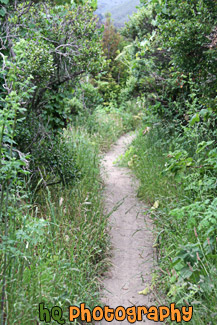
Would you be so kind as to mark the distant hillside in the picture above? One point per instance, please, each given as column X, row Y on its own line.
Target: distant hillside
column 119, row 9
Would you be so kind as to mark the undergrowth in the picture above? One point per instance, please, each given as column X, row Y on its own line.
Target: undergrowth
column 57, row 244
column 177, row 176
column 105, row 125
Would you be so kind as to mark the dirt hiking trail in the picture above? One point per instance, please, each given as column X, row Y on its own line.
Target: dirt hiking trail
column 131, row 238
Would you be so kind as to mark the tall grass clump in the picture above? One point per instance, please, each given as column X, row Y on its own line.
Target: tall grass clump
column 55, row 247
column 147, row 157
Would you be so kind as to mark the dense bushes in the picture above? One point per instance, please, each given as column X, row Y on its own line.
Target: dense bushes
column 51, row 47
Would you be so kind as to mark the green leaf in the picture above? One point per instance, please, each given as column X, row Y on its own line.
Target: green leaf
column 3, row 12
column 145, row 292
column 185, row 273
column 202, row 145
column 164, row 10
column 195, row 118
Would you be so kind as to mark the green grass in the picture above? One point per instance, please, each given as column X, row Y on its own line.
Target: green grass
column 186, row 260
column 65, row 243
column 147, row 158
column 58, row 244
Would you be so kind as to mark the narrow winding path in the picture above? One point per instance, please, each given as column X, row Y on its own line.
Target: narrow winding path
column 131, row 238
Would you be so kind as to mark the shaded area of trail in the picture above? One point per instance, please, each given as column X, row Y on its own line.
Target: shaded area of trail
column 131, row 238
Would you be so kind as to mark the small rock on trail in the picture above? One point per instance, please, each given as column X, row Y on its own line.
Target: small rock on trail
column 131, row 237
